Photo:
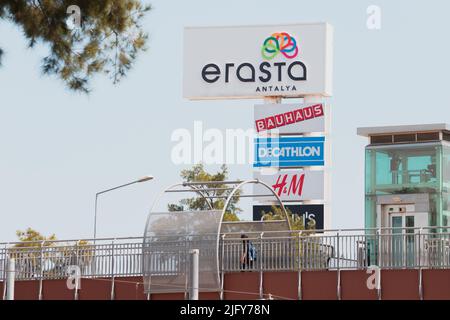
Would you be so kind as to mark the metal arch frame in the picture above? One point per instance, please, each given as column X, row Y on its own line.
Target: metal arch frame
column 254, row 181
column 227, row 203
column 238, row 186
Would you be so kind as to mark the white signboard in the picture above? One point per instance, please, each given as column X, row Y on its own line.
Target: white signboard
column 293, row 185
column 290, row 118
column 256, row 61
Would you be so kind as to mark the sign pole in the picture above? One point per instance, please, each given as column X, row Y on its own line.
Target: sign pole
column 271, row 134
column 327, row 147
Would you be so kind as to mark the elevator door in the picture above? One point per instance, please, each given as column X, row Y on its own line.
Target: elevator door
column 406, row 246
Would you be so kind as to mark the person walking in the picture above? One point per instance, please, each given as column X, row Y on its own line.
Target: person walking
column 248, row 255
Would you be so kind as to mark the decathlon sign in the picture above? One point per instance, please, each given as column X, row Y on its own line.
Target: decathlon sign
column 255, row 61
column 290, row 118
column 293, row 185
column 286, row 152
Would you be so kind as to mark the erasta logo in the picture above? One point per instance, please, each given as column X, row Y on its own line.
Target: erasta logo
column 281, row 42
column 269, row 76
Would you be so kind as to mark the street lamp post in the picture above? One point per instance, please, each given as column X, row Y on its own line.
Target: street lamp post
column 143, row 179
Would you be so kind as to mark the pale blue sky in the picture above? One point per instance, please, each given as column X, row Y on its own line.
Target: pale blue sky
column 58, row 148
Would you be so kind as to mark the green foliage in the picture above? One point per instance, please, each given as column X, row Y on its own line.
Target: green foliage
column 29, row 255
column 31, row 237
column 108, row 40
column 230, row 216
column 198, row 174
column 175, row 207
column 275, row 214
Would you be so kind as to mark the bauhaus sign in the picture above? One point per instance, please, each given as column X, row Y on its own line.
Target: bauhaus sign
column 256, row 61
column 290, row 118
column 293, row 185
column 284, row 152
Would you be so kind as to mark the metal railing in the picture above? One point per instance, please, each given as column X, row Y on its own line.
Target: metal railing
column 51, row 259
column 401, row 248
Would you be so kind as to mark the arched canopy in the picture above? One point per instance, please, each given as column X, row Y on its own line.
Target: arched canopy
column 169, row 236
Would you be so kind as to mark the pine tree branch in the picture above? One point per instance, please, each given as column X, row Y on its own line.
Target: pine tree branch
column 76, row 56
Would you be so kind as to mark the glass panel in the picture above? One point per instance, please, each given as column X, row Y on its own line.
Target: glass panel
column 168, row 239
column 383, row 168
column 397, row 223
column 397, row 240
column 370, row 214
column 410, row 243
column 409, row 169
column 445, row 210
column 403, row 169
column 434, row 214
column 409, row 223
column 446, row 169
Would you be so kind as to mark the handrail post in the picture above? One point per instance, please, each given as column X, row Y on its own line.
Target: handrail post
column 261, row 274
column 4, row 269
column 222, row 271
column 112, row 269
column 379, row 249
column 75, row 294
column 299, row 261
column 76, row 254
column 379, row 261
column 420, row 264
column 338, row 293
column 186, row 269
column 41, row 276
column 419, row 247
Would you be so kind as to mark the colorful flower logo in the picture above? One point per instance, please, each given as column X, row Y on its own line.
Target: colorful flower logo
column 280, row 42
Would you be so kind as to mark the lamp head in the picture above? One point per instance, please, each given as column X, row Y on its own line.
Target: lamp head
column 145, row 178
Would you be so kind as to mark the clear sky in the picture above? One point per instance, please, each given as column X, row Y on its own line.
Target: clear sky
column 59, row 148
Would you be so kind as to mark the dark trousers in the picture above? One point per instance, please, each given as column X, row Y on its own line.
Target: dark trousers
column 247, row 265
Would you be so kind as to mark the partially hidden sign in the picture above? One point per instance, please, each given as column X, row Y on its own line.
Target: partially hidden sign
column 290, row 118
column 311, row 215
column 293, row 185
column 285, row 152
column 257, row 61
